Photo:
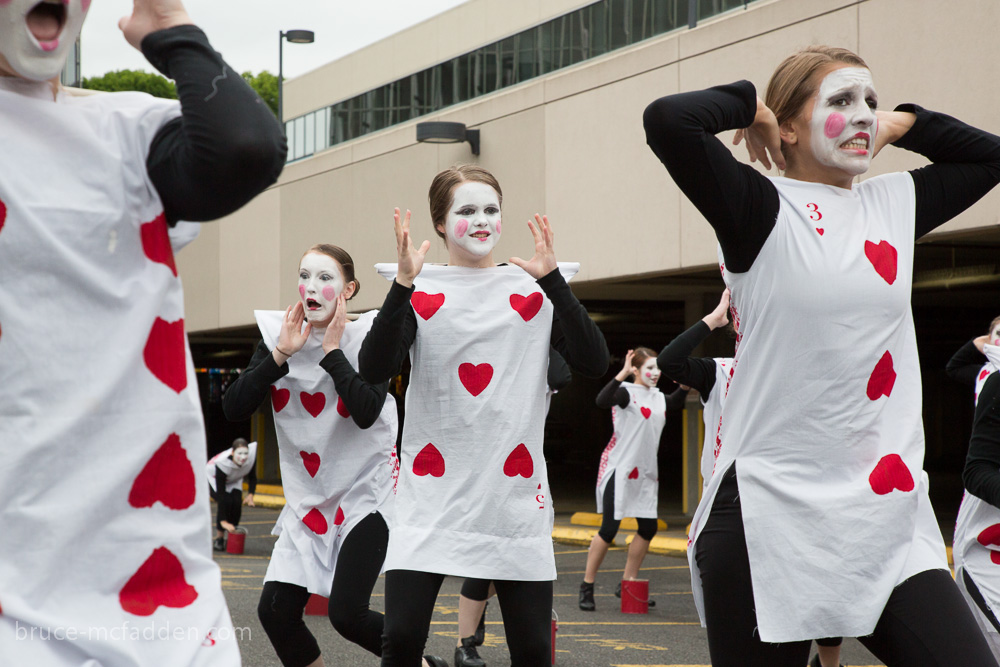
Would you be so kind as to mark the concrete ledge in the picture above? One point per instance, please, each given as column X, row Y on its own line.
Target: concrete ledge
column 666, row 546
column 268, row 501
column 594, row 519
column 571, row 535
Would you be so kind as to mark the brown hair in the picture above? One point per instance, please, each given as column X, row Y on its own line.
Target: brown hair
column 993, row 324
column 240, row 442
column 441, row 194
column 640, row 355
column 343, row 258
column 792, row 83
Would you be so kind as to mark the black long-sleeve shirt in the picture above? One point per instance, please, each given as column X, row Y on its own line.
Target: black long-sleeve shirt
column 677, row 364
column 225, row 148
column 363, row 400
column 965, row 364
column 982, row 465
column 558, row 375
column 574, row 335
column 742, row 205
column 614, row 394
column 220, row 479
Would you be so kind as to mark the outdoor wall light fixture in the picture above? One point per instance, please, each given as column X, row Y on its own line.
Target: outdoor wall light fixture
column 438, row 132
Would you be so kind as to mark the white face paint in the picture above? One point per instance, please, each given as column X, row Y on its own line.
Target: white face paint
column 320, row 283
column 843, row 123
column 473, row 222
column 36, row 37
column 649, row 373
column 240, row 455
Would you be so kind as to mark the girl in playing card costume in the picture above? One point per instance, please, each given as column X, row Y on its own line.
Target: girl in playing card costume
column 817, row 522
column 969, row 365
column 337, row 445
column 473, row 496
column 226, row 472
column 95, row 375
column 638, row 411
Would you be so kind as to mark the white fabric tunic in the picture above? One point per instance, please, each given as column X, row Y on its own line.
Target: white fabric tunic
column 105, row 548
column 712, row 418
column 333, row 472
column 823, row 414
column 473, row 497
column 234, row 473
column 632, row 454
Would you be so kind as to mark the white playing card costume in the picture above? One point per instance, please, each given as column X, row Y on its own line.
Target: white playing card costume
column 711, row 416
column 333, row 472
column 823, row 414
column 632, row 453
column 473, row 497
column 105, row 546
column 234, row 473
column 977, row 539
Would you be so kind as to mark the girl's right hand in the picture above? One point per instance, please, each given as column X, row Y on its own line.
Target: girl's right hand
column 293, row 336
column 411, row 260
column 720, row 316
column 980, row 342
column 626, row 370
column 762, row 137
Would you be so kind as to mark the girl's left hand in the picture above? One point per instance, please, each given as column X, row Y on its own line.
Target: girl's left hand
column 544, row 261
column 334, row 331
column 892, row 125
column 148, row 16
column 248, row 500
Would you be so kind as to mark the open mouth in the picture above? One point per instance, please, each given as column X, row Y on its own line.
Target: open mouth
column 482, row 236
column 313, row 304
column 45, row 22
column 858, row 142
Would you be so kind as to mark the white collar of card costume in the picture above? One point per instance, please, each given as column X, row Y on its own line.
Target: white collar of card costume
column 472, row 471
column 334, row 473
column 234, row 473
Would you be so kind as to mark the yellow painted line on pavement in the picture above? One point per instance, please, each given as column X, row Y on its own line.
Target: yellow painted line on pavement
column 594, row 519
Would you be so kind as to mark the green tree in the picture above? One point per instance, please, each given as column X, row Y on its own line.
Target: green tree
column 266, row 85
column 128, row 79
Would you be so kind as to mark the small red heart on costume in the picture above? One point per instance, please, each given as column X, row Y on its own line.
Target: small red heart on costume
column 883, row 258
column 820, row 230
column 159, row 582
column 646, row 412
column 519, row 463
column 342, row 409
column 983, row 373
column 313, row 403
column 890, row 474
column 526, row 306
column 475, row 378
column 634, row 474
column 279, row 398
column 167, row 477
column 882, row 379
column 316, row 522
column 3, row 214
column 156, row 242
column 339, row 519
column 428, row 462
column 990, row 535
column 164, row 353
column 311, row 461
column 426, row 304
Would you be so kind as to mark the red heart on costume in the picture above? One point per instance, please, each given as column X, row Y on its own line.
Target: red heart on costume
column 526, row 306
column 311, row 461
column 164, row 353
column 167, row 477
column 156, row 242
column 316, row 522
column 342, row 409
column 883, row 258
column 890, row 474
column 279, row 398
column 646, row 412
column 426, row 304
column 820, row 230
column 313, row 403
column 475, row 378
column 634, row 474
column 428, row 462
column 882, row 379
column 339, row 519
column 159, row 582
column 983, row 373
column 990, row 536
column 519, row 463
column 3, row 214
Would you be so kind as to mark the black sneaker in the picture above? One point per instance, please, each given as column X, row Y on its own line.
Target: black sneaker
column 649, row 603
column 480, row 636
column 466, row 655
column 219, row 544
column 587, row 596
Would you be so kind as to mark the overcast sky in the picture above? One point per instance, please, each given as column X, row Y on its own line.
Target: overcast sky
column 245, row 32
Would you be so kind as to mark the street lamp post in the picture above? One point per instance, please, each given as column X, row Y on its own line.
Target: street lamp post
column 295, row 37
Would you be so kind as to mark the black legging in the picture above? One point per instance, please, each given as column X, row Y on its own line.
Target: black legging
column 609, row 525
column 230, row 506
column 925, row 623
column 409, row 604
column 476, row 589
column 358, row 565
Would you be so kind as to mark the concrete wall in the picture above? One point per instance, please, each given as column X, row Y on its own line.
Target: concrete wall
column 571, row 144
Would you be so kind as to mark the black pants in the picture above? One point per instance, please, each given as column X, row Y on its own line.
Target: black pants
column 409, row 603
column 358, row 564
column 925, row 623
column 230, row 506
column 476, row 589
column 609, row 525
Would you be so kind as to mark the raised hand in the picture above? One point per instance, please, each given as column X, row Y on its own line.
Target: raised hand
column 292, row 336
column 148, row 16
column 335, row 330
column 720, row 316
column 890, row 127
column 626, row 370
column 544, row 261
column 980, row 341
column 411, row 260
column 762, row 137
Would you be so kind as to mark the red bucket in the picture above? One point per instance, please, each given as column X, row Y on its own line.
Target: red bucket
column 555, row 629
column 234, row 543
column 635, row 596
column 317, row 605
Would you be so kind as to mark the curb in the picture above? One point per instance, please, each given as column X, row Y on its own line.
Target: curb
column 594, row 519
